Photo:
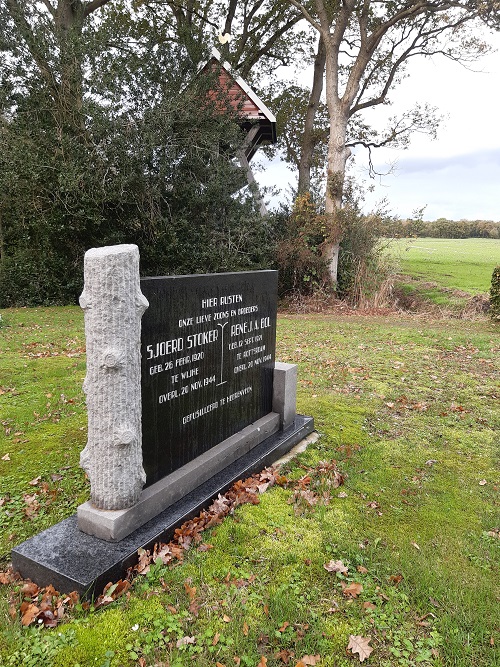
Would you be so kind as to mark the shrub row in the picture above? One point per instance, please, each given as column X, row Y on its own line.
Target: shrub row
column 441, row 228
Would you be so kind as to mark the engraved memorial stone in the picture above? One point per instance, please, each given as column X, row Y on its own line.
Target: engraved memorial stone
column 208, row 351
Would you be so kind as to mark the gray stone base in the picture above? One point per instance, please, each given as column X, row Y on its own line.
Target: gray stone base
column 71, row 560
column 114, row 525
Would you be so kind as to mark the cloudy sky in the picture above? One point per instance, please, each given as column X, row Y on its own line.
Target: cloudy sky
column 456, row 176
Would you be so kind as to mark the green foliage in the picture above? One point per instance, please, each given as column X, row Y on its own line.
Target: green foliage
column 362, row 265
column 40, row 648
column 301, row 266
column 144, row 154
column 440, row 229
column 495, row 294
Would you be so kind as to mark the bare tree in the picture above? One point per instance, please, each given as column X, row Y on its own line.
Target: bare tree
column 367, row 45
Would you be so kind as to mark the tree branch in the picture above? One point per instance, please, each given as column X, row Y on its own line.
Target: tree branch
column 306, row 14
column 93, row 5
column 49, row 7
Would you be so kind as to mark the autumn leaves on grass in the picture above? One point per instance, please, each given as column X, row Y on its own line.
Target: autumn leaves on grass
column 357, row 644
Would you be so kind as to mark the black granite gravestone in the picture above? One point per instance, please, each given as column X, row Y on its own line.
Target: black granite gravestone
column 208, row 352
column 208, row 358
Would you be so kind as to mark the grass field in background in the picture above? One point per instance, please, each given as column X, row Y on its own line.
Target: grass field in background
column 445, row 271
column 409, row 411
column 464, row 264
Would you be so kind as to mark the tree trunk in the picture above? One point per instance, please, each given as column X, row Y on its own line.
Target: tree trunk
column 308, row 141
column 69, row 20
column 336, row 165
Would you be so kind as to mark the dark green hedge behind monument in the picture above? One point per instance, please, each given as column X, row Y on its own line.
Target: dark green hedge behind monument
column 495, row 294
column 142, row 152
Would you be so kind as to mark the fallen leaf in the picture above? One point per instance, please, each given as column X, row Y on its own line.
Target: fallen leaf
column 29, row 589
column 369, row 606
column 284, row 626
column 48, row 618
column 245, row 629
column 111, row 592
column 56, row 478
column 190, row 590
column 6, row 457
column 284, row 655
column 144, row 562
column 359, row 645
column 414, row 544
column 352, row 590
column 30, row 614
column 483, row 482
column 396, row 579
column 216, row 638
column 336, row 566
column 194, row 607
column 361, row 569
column 237, row 660
column 35, row 481
column 342, row 494
column 262, row 662
column 205, row 547
column 310, row 659
column 226, row 618
column 184, row 641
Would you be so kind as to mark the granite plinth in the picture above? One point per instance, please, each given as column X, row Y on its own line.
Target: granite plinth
column 72, row 560
column 114, row 526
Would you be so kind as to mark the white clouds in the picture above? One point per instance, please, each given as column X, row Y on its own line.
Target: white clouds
column 455, row 187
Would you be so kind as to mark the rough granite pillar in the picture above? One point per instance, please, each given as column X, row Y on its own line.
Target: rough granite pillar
column 113, row 305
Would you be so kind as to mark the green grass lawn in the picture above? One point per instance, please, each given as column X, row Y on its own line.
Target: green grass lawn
column 408, row 410
column 446, row 272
